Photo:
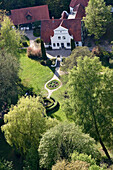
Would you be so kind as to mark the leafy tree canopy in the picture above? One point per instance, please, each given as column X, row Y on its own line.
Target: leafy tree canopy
column 71, row 61
column 8, row 78
column 97, row 17
column 90, row 99
column 59, row 142
column 25, row 123
column 10, row 37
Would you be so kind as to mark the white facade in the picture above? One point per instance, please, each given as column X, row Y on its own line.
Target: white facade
column 61, row 38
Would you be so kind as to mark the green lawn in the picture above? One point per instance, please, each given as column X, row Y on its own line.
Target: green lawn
column 33, row 74
column 59, row 96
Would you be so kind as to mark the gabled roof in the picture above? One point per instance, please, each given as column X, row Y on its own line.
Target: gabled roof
column 60, row 28
column 80, row 11
column 73, row 26
column 18, row 16
column 73, row 3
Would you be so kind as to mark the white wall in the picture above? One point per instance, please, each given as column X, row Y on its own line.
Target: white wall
column 71, row 10
column 61, row 38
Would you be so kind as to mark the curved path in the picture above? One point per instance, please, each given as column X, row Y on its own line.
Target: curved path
column 55, row 77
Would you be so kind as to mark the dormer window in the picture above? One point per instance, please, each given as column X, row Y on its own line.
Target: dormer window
column 29, row 17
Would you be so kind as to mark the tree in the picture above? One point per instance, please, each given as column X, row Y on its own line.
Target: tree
column 97, row 17
column 72, row 44
column 71, row 61
column 25, row 123
column 60, row 141
column 90, row 100
column 10, row 37
column 44, row 56
column 8, row 78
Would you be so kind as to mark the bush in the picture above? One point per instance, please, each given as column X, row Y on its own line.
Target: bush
column 48, row 62
column 83, row 157
column 64, row 165
column 25, row 44
column 38, row 40
column 34, row 53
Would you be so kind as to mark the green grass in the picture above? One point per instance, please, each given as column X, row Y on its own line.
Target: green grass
column 58, row 95
column 33, row 74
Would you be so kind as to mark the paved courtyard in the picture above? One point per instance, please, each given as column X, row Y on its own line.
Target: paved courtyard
column 62, row 52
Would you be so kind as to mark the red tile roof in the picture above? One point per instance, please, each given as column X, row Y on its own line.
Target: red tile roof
column 73, row 25
column 80, row 11
column 18, row 16
column 73, row 3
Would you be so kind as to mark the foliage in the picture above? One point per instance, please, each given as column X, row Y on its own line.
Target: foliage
column 83, row 157
column 70, row 62
column 34, row 53
column 31, row 159
column 6, row 165
column 59, row 142
column 43, row 50
column 102, row 54
column 64, row 165
column 25, row 123
column 97, row 17
column 90, row 99
column 38, row 40
column 8, row 78
column 72, row 44
column 10, row 37
column 95, row 167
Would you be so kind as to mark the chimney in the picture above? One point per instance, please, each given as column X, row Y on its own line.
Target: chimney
column 53, row 20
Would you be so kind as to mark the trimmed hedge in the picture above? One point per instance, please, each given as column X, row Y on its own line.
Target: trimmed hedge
column 52, row 107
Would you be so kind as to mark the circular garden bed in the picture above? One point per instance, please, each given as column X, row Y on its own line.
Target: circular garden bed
column 54, row 84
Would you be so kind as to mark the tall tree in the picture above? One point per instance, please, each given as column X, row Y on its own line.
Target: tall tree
column 98, row 15
column 8, row 78
column 91, row 98
column 10, row 37
column 25, row 123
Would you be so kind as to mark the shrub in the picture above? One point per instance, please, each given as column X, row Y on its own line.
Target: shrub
column 34, row 53
column 64, row 165
column 25, row 44
column 43, row 50
column 38, row 40
column 83, row 157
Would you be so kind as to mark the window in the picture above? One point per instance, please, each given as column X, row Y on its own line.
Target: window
column 68, row 44
column 59, row 37
column 54, row 44
column 29, row 17
column 57, row 44
column 64, row 37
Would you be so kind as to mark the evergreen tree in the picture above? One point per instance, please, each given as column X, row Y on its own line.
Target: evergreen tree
column 72, row 44
column 44, row 56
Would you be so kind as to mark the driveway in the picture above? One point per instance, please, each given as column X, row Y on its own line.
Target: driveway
column 29, row 34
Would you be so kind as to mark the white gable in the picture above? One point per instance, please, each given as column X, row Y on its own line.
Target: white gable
column 60, row 28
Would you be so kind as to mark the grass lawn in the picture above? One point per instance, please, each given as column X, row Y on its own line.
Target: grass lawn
column 33, row 74
column 59, row 96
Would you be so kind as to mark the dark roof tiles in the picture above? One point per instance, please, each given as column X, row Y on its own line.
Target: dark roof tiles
column 73, row 26
column 18, row 16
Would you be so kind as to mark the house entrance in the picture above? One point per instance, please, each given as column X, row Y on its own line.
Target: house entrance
column 62, row 45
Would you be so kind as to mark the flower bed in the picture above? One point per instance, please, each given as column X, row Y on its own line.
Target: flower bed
column 54, row 84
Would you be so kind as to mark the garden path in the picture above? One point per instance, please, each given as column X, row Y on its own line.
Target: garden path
column 55, row 77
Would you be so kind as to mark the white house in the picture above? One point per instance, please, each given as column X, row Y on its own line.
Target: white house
column 61, row 38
